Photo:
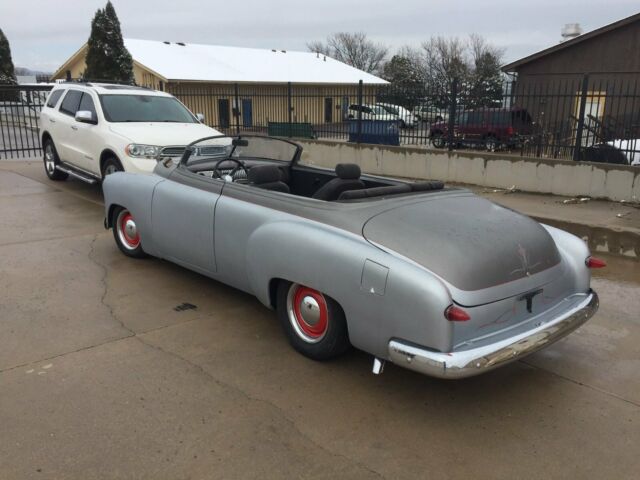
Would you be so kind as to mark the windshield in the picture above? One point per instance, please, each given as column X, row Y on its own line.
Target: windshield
column 144, row 108
column 378, row 110
column 391, row 109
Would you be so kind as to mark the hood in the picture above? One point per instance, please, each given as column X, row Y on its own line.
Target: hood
column 162, row 133
column 472, row 244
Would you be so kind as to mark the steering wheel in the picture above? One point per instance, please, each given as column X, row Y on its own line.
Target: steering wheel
column 239, row 165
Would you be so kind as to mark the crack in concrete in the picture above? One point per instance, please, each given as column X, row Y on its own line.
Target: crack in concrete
column 252, row 398
column 103, row 280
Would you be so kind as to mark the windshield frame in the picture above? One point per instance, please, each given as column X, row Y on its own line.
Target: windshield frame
column 189, row 149
column 105, row 112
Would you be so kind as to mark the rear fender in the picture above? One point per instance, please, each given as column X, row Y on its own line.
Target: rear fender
column 410, row 304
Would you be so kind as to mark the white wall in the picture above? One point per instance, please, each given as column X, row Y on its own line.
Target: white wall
column 559, row 177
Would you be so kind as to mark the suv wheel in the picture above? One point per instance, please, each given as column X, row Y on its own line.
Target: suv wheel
column 437, row 140
column 51, row 159
column 491, row 143
column 111, row 165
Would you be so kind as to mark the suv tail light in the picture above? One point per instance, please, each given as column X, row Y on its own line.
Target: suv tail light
column 510, row 131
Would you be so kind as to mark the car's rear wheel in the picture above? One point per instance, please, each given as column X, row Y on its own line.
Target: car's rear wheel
column 111, row 165
column 51, row 160
column 126, row 233
column 313, row 322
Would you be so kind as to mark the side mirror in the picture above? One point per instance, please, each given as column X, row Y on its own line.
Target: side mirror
column 200, row 117
column 85, row 116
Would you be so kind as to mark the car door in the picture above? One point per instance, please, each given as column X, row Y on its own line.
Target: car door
column 85, row 143
column 183, row 209
column 62, row 136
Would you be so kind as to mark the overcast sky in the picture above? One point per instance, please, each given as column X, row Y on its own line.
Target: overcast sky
column 44, row 33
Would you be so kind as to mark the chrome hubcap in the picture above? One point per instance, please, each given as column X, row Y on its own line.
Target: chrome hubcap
column 130, row 228
column 310, row 310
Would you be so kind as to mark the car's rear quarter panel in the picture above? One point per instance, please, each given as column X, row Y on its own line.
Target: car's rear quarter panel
column 256, row 245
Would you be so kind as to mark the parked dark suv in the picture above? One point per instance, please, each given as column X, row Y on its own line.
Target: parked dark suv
column 490, row 127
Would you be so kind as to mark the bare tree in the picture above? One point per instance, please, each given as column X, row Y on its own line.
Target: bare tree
column 474, row 62
column 354, row 49
column 444, row 60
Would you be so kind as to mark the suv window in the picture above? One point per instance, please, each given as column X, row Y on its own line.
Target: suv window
column 144, row 108
column 87, row 104
column 70, row 102
column 54, row 97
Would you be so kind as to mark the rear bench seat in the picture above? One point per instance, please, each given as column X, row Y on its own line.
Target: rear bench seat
column 391, row 190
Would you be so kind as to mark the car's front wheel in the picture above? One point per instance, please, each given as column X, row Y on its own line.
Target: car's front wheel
column 51, row 160
column 126, row 233
column 313, row 322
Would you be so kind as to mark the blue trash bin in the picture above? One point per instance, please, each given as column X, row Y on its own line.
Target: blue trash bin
column 381, row 132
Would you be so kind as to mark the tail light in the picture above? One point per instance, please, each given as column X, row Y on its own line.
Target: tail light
column 593, row 262
column 510, row 131
column 456, row 314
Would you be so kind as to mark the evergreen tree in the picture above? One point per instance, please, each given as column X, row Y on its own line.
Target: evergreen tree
column 485, row 89
column 7, row 74
column 107, row 57
column 407, row 79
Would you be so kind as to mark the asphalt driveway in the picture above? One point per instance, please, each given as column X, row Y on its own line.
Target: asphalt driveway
column 106, row 372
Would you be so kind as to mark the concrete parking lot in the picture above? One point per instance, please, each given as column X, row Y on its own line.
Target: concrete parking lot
column 102, row 376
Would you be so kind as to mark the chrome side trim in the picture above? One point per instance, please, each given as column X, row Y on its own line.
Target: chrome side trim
column 466, row 363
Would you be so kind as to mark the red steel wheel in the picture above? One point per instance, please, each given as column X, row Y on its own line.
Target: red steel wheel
column 314, row 322
column 128, row 230
column 126, row 233
column 308, row 313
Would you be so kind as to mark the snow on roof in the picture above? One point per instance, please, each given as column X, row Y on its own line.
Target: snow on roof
column 175, row 61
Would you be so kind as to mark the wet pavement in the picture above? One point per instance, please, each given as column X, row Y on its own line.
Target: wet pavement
column 101, row 377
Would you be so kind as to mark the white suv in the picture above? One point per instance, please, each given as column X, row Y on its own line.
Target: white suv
column 91, row 130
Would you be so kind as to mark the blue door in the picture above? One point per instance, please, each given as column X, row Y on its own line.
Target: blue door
column 247, row 113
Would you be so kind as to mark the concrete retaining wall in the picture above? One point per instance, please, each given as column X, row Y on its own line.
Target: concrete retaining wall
column 559, row 177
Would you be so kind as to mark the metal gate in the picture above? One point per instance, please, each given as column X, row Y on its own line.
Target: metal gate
column 20, row 107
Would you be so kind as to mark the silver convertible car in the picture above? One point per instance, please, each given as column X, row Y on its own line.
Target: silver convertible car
column 434, row 279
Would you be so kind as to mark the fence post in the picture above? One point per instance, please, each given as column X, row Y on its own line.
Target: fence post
column 236, row 109
column 359, row 126
column 290, row 106
column 577, row 149
column 453, row 106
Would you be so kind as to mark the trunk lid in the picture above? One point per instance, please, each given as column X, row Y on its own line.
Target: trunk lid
column 482, row 251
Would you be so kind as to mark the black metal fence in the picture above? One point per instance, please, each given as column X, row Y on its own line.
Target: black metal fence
column 19, row 120
column 567, row 116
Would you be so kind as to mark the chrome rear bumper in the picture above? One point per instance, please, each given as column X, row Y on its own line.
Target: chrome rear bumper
column 466, row 363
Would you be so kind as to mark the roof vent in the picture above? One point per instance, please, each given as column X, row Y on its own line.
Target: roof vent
column 166, row 43
column 180, row 43
column 570, row 31
column 283, row 51
column 273, row 50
